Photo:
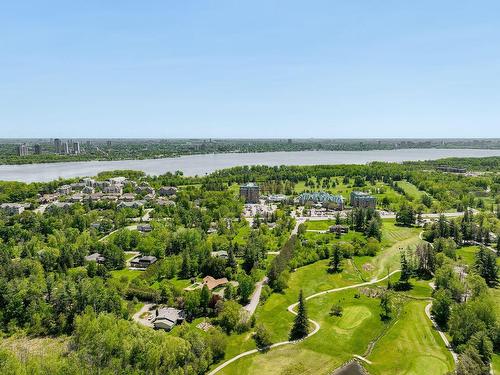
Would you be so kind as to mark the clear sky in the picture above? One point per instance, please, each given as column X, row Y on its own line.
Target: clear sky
column 218, row 68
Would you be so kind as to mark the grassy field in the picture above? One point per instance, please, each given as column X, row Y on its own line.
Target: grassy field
column 340, row 338
column 319, row 224
column 129, row 274
column 394, row 238
column 411, row 190
column 495, row 360
column 467, row 255
column 411, row 346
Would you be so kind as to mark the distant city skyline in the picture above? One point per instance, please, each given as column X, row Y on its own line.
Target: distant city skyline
column 262, row 69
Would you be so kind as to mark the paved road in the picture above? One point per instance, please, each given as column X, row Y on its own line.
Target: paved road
column 254, row 300
column 291, row 309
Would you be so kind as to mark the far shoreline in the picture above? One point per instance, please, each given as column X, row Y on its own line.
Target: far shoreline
column 203, row 164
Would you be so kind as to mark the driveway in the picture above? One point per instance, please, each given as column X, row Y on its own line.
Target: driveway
column 137, row 316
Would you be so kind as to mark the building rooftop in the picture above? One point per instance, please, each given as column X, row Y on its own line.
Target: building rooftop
column 320, row 196
column 250, row 185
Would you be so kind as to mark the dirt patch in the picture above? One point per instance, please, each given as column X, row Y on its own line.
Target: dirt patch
column 367, row 267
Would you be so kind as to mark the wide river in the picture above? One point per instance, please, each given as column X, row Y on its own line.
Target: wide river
column 200, row 165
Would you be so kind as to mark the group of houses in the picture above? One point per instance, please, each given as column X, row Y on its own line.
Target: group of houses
column 111, row 190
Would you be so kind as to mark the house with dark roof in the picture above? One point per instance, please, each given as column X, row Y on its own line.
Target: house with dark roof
column 143, row 262
column 96, row 257
column 167, row 191
column 167, row 318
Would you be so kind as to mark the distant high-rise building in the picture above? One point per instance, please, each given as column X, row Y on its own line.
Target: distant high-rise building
column 22, row 150
column 108, row 143
column 289, row 140
column 76, row 148
column 65, row 148
column 57, row 145
column 37, row 149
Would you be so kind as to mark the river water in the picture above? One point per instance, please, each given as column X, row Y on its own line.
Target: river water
column 200, row 165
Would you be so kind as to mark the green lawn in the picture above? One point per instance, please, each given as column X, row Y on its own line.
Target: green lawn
column 319, row 224
column 394, row 238
column 129, row 274
column 337, row 340
column 411, row 190
column 467, row 255
column 496, row 363
column 341, row 337
column 411, row 346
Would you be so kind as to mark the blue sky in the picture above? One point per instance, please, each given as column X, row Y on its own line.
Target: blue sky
column 249, row 69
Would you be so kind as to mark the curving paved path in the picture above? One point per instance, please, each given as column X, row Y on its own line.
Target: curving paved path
column 291, row 309
column 443, row 336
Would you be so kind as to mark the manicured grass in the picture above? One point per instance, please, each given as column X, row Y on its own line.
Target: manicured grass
column 467, row 255
column 129, row 256
column 411, row 190
column 311, row 279
column 394, row 238
column 341, row 337
column 319, row 224
column 411, row 346
column 496, row 298
column 495, row 360
column 392, row 233
column 129, row 274
column 337, row 340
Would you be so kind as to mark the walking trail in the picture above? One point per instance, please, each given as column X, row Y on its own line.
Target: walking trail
column 291, row 309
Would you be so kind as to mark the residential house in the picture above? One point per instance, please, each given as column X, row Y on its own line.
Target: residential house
column 213, row 283
column 143, row 262
column 167, row 317
column 88, row 190
column 117, row 180
column 64, row 189
column 77, row 185
column 12, row 208
column 96, row 257
column 144, row 227
column 89, row 182
column 144, row 189
column 167, row 191
column 48, row 198
column 127, row 197
column 76, row 198
column 133, row 204
column 113, row 189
